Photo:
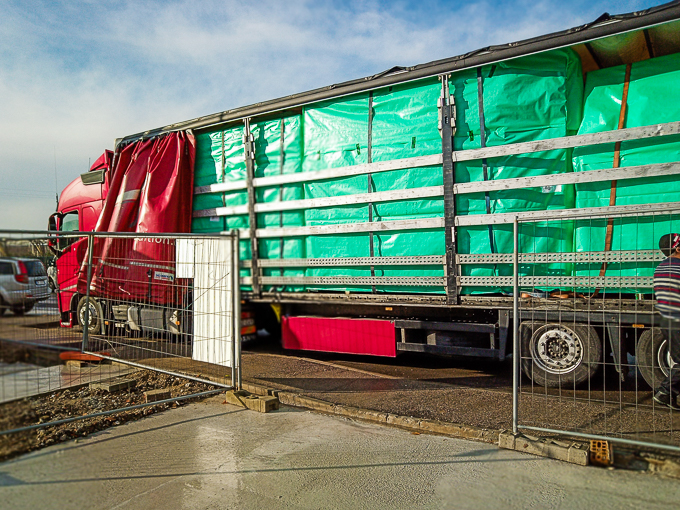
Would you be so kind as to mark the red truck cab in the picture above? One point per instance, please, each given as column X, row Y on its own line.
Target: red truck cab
column 80, row 206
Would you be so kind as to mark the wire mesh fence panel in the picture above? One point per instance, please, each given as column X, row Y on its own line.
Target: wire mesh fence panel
column 92, row 324
column 164, row 302
column 30, row 332
column 593, row 348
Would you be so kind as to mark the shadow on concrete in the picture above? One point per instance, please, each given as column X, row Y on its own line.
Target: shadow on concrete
column 9, row 481
column 97, row 439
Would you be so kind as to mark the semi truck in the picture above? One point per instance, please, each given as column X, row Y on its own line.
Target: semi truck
column 382, row 215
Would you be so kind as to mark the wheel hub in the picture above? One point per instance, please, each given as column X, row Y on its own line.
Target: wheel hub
column 557, row 350
column 92, row 315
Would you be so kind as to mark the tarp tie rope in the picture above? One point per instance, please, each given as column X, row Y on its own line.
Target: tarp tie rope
column 609, row 233
column 617, row 162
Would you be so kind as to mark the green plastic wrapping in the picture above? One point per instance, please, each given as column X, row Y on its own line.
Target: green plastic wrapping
column 404, row 124
column 336, row 135
column 208, row 170
column 278, row 150
column 653, row 97
column 525, row 99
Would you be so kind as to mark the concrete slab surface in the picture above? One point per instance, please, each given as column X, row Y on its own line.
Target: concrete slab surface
column 213, row 455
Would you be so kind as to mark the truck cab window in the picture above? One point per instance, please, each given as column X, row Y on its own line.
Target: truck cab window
column 69, row 223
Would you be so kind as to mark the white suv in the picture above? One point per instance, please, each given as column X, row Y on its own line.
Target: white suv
column 23, row 282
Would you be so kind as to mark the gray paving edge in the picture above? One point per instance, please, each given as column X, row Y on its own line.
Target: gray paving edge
column 567, row 451
column 421, row 425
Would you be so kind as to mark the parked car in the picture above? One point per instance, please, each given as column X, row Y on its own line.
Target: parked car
column 23, row 282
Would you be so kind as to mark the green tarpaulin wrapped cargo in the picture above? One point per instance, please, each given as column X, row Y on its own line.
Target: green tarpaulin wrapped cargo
column 653, row 97
column 525, row 99
column 531, row 98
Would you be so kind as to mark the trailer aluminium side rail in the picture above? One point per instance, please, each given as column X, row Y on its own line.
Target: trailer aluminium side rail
column 377, row 215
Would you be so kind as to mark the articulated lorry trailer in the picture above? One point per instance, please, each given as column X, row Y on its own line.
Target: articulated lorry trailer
column 384, row 214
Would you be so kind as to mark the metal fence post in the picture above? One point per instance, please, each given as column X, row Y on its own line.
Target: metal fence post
column 86, row 321
column 515, row 327
column 234, row 257
column 237, row 309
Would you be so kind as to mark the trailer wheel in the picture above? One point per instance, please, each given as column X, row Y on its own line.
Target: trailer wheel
column 653, row 357
column 96, row 317
column 555, row 355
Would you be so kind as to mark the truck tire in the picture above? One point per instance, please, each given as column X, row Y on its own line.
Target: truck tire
column 557, row 355
column 652, row 356
column 96, row 318
column 3, row 306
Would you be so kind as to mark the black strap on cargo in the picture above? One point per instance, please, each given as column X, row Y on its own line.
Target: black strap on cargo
column 370, row 181
column 482, row 140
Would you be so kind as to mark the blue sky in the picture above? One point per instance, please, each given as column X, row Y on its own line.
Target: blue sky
column 75, row 75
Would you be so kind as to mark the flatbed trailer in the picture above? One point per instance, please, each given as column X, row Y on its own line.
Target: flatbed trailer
column 306, row 193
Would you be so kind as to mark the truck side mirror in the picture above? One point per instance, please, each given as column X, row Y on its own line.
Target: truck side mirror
column 52, row 222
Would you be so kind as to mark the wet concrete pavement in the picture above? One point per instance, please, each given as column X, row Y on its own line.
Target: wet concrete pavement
column 211, row 455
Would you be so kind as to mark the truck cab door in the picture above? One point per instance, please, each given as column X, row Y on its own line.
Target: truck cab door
column 72, row 251
column 88, row 218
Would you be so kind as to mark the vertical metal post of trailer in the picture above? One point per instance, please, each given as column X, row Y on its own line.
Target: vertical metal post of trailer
column 249, row 149
column 86, row 320
column 236, row 294
column 515, row 326
column 446, row 127
column 369, row 160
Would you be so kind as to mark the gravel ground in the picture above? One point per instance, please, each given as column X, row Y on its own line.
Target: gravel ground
column 461, row 402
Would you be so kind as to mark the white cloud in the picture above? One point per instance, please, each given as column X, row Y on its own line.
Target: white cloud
column 74, row 76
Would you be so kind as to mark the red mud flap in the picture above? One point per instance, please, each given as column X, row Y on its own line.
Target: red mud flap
column 351, row 336
column 80, row 356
